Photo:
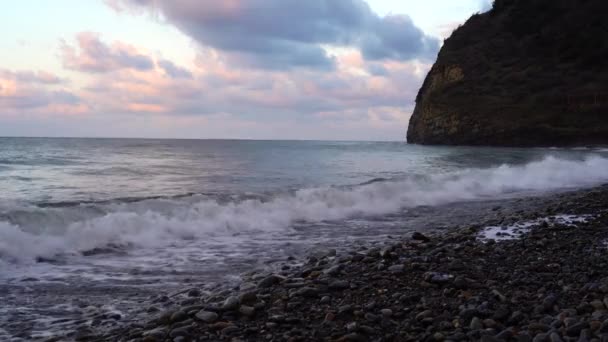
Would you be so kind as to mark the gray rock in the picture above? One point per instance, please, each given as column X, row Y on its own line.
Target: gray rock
column 231, row 303
column 230, row 330
column 476, row 324
column 178, row 316
column 248, row 297
column 505, row 335
column 165, row 317
column 397, row 269
column 554, row 337
column 371, row 317
column 247, row 311
column 182, row 331
column 194, row 293
column 207, row 316
column 499, row 295
column 424, row 314
column 386, row 253
column 158, row 333
column 339, row 285
column 386, row 313
column 270, row 281
column 488, row 338
column 461, row 283
column 354, row 337
column 247, row 286
column 309, row 292
column 597, row 305
column 437, row 278
column 324, row 253
column 541, row 337
column 295, row 285
column 334, row 270
column 345, row 309
column 575, row 329
column 420, row 237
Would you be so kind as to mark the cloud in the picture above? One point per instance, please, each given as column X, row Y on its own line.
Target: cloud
column 216, row 87
column 286, row 34
column 35, row 92
column 28, row 76
column 215, row 96
column 93, row 55
column 173, row 70
column 377, row 69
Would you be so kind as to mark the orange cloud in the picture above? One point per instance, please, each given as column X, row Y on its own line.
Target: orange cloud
column 145, row 107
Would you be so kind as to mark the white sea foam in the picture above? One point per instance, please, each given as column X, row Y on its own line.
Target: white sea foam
column 157, row 223
column 518, row 230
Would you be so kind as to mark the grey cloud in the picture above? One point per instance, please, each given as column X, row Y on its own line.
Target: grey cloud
column 281, row 34
column 28, row 76
column 37, row 98
column 173, row 70
column 64, row 97
column 397, row 38
column 377, row 69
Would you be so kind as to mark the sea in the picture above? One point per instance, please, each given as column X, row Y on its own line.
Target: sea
column 104, row 225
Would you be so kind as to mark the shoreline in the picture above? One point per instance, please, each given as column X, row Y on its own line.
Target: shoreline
column 551, row 284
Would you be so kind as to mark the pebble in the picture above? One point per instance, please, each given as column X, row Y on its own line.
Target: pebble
column 183, row 331
column 247, row 311
column 476, row 324
column 309, row 292
column 194, row 293
column 207, row 316
column 386, row 313
column 248, row 297
column 231, row 303
column 178, row 316
column 397, row 269
column 269, row 281
column 554, row 337
column 352, row 327
column 334, row 270
column 420, row 237
column 339, row 285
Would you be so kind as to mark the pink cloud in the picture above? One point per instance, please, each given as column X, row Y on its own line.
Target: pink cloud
column 214, row 86
column 213, row 91
column 29, row 76
column 36, row 92
column 93, row 55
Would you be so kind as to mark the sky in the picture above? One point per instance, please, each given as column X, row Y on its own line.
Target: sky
column 208, row 69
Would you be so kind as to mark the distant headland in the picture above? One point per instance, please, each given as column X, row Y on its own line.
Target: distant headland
column 526, row 73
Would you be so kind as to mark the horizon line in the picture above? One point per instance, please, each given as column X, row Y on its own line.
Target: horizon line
column 203, row 139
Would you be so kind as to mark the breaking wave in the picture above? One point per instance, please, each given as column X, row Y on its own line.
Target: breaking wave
column 28, row 233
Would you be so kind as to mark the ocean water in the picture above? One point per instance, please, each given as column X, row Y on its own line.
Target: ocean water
column 110, row 221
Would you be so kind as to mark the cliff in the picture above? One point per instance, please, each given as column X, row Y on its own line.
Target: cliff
column 526, row 73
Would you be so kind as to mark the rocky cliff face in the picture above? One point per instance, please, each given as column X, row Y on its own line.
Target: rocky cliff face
column 526, row 73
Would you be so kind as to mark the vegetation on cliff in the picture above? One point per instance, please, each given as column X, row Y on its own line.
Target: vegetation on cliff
column 526, row 73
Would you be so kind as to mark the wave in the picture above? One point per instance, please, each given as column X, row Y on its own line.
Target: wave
column 44, row 232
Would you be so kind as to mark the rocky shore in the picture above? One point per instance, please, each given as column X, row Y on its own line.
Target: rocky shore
column 549, row 284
